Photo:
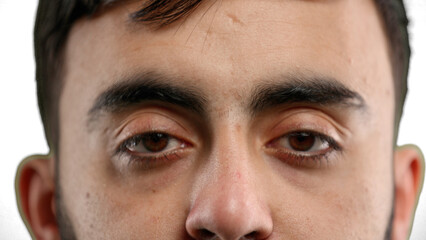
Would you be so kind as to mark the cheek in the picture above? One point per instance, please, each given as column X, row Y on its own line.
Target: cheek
column 352, row 198
column 116, row 215
column 342, row 211
column 109, row 208
column 366, row 188
column 101, row 204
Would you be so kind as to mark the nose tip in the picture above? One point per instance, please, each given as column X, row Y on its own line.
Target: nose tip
column 229, row 211
column 205, row 227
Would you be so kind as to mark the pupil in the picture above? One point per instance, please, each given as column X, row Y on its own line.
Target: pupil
column 302, row 141
column 155, row 142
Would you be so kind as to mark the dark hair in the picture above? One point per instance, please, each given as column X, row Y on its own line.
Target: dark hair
column 55, row 18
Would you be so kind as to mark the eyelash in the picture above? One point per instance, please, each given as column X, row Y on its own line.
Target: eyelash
column 304, row 160
column 151, row 159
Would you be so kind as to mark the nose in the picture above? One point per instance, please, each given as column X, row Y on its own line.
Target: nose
column 228, row 207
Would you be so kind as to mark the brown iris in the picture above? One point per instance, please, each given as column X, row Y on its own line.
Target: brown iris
column 155, row 142
column 301, row 141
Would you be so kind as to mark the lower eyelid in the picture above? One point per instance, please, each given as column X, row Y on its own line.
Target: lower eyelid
column 272, row 149
column 302, row 160
column 129, row 162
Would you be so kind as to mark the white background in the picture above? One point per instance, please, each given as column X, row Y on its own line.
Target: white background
column 21, row 131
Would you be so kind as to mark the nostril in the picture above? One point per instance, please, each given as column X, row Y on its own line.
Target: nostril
column 251, row 236
column 205, row 234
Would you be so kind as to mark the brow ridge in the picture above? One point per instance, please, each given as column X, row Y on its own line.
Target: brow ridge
column 322, row 91
column 145, row 87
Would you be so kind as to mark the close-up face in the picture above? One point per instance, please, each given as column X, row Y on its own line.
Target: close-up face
column 228, row 142
column 241, row 120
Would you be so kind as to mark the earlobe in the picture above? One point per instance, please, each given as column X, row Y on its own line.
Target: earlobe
column 409, row 174
column 35, row 187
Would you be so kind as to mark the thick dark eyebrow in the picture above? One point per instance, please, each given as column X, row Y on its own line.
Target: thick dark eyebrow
column 145, row 87
column 309, row 90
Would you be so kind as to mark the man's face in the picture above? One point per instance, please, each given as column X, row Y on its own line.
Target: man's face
column 242, row 132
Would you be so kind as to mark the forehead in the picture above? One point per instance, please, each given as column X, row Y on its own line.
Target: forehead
column 234, row 44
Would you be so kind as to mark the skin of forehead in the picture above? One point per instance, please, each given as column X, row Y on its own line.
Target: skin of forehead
column 221, row 34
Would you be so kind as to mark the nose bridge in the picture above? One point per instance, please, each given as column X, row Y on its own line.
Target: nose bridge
column 229, row 187
column 231, row 148
column 228, row 204
column 230, row 191
column 232, row 179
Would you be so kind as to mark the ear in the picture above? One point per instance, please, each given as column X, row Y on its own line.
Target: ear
column 35, row 188
column 409, row 174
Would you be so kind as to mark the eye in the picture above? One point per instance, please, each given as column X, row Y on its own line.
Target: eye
column 152, row 142
column 304, row 142
column 303, row 148
column 152, row 150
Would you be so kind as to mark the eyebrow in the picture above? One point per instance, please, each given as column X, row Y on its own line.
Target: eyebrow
column 150, row 86
column 321, row 91
column 145, row 87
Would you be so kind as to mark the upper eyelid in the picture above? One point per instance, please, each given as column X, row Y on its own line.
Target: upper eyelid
column 139, row 124
column 135, row 116
column 311, row 119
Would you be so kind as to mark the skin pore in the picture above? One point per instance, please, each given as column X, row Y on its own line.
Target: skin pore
column 268, row 121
